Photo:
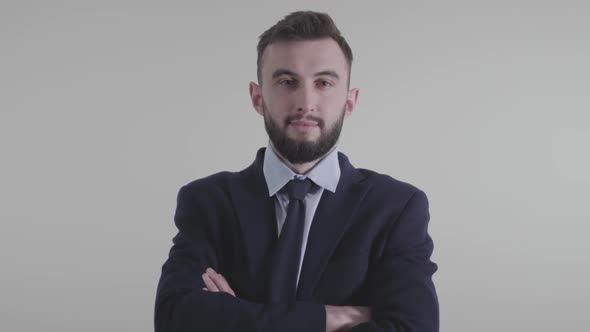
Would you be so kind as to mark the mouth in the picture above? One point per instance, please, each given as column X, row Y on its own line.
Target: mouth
column 303, row 123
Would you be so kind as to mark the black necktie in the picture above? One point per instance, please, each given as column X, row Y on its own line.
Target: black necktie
column 285, row 262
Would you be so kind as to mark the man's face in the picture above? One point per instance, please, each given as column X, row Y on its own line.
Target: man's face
column 303, row 97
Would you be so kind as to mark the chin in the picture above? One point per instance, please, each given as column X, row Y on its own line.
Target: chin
column 306, row 139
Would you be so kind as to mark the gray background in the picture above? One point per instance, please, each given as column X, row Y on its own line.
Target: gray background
column 107, row 108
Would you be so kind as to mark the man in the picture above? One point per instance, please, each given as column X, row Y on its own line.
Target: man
column 301, row 240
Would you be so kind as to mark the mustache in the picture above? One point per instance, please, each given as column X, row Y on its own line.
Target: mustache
column 290, row 118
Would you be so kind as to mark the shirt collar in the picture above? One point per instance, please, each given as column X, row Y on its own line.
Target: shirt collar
column 325, row 174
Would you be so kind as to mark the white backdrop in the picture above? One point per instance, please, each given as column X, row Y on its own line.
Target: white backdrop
column 107, row 108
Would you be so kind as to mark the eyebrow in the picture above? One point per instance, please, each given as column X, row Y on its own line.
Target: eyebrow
column 280, row 72
column 330, row 73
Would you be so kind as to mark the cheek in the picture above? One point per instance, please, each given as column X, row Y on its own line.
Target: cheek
column 335, row 97
column 278, row 109
column 277, row 102
column 274, row 114
column 333, row 107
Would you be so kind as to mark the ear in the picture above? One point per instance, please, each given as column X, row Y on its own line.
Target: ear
column 256, row 97
column 351, row 99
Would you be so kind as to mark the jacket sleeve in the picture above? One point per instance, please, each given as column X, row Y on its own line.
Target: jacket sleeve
column 183, row 305
column 403, row 294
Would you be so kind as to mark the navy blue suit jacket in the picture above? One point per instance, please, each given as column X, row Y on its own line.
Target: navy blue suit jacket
column 368, row 245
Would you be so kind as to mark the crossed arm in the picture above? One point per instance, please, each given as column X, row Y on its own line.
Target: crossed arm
column 403, row 298
column 338, row 318
column 214, row 306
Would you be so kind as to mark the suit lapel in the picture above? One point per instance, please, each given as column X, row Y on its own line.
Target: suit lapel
column 331, row 219
column 257, row 220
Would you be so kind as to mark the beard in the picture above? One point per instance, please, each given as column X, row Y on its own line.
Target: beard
column 302, row 151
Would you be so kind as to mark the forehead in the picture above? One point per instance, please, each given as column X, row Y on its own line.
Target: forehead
column 305, row 57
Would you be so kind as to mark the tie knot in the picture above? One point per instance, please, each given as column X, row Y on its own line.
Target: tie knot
column 298, row 189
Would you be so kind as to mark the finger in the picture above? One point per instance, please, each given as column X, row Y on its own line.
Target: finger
column 209, row 283
column 365, row 310
column 221, row 283
column 226, row 286
column 364, row 313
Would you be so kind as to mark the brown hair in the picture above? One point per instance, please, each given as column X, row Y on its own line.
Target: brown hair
column 302, row 25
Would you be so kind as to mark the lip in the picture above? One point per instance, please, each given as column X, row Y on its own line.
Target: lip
column 303, row 123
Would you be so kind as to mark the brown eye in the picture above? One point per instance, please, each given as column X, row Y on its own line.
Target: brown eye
column 287, row 82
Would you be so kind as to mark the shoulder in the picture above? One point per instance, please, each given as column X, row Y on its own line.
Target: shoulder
column 387, row 190
column 212, row 181
column 212, row 187
column 384, row 183
column 379, row 184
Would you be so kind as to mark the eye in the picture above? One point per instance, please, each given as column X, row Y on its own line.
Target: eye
column 287, row 82
column 324, row 83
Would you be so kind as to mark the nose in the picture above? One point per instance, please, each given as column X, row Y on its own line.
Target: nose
column 306, row 100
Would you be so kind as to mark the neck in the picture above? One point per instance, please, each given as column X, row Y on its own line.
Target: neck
column 301, row 168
